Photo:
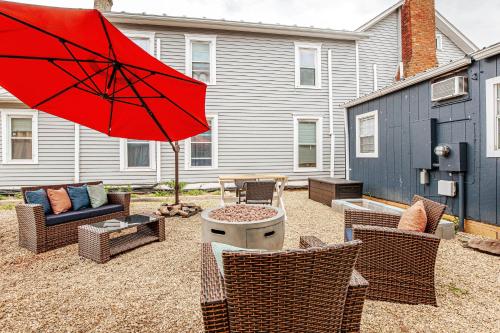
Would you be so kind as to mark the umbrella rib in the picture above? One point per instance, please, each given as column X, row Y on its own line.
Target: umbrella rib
column 171, row 101
column 73, row 76
column 145, row 106
column 164, row 74
column 80, row 65
column 128, row 85
column 52, row 59
column 111, row 109
column 107, row 35
column 68, row 88
column 52, row 35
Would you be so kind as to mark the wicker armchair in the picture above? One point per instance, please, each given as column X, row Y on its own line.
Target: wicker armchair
column 398, row 264
column 258, row 192
column 240, row 190
column 305, row 290
column 36, row 236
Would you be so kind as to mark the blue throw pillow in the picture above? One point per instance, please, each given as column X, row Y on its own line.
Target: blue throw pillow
column 348, row 234
column 217, row 249
column 79, row 197
column 39, row 197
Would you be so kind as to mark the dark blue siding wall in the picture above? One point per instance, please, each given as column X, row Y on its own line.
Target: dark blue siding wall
column 391, row 176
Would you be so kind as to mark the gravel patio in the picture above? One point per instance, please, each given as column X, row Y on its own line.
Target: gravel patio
column 156, row 288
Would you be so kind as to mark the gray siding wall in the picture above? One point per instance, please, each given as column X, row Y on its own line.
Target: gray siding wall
column 381, row 49
column 55, row 155
column 391, row 176
column 449, row 52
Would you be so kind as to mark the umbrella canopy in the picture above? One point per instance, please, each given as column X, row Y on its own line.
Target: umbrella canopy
column 75, row 64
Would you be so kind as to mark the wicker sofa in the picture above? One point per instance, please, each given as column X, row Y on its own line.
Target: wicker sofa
column 398, row 264
column 39, row 233
column 313, row 289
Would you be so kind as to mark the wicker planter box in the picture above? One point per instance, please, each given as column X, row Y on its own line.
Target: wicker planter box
column 326, row 189
column 266, row 234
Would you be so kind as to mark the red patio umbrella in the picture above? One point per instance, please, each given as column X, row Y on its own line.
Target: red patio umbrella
column 75, row 64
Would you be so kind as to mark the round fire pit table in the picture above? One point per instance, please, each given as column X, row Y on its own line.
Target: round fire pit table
column 247, row 226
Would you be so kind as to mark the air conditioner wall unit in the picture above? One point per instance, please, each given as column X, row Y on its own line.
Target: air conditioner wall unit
column 449, row 88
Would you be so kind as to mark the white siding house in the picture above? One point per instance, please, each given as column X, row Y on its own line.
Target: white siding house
column 273, row 100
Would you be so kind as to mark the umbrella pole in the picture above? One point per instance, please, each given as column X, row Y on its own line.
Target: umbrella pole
column 176, row 153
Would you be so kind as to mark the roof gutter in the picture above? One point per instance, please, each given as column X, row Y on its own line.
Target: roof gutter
column 202, row 23
column 411, row 81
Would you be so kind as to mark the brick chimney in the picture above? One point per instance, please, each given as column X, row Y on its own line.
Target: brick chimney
column 418, row 36
column 103, row 5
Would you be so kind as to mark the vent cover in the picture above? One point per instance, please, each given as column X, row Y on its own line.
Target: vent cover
column 449, row 88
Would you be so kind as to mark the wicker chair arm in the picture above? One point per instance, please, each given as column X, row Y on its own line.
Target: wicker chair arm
column 31, row 221
column 213, row 297
column 121, row 198
column 352, row 216
column 310, row 241
column 386, row 233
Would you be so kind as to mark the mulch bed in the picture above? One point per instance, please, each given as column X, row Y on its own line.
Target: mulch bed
column 242, row 213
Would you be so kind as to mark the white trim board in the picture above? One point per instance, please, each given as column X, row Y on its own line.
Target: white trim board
column 5, row 114
column 491, row 122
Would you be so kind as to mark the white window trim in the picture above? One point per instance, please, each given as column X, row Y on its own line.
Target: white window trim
column 316, row 46
column 319, row 143
column 375, row 141
column 142, row 34
column 123, row 157
column 439, row 42
column 491, row 105
column 213, row 58
column 6, row 147
column 215, row 147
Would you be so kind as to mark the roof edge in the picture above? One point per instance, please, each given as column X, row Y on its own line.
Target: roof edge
column 204, row 23
column 453, row 33
column 379, row 17
column 410, row 81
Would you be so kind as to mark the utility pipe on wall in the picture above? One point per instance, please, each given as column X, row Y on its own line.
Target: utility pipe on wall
column 461, row 200
column 330, row 114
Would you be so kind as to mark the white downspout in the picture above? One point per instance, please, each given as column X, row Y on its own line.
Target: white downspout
column 357, row 68
column 330, row 114
column 346, row 131
column 77, row 154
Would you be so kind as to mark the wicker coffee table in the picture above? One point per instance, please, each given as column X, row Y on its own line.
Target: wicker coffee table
column 95, row 243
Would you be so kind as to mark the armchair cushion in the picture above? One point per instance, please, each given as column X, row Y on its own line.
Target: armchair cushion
column 217, row 249
column 414, row 218
column 59, row 200
column 79, row 197
column 39, row 197
column 75, row 215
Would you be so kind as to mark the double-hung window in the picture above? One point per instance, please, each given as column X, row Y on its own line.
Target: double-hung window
column 367, row 135
column 200, row 58
column 139, row 155
column 201, row 150
column 19, row 136
column 308, row 65
column 307, row 143
column 493, row 117
column 439, row 42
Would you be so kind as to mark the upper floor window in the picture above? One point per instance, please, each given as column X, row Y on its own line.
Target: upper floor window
column 367, row 134
column 137, row 155
column 201, row 150
column 439, row 42
column 307, row 143
column 200, row 58
column 493, row 117
column 19, row 136
column 307, row 65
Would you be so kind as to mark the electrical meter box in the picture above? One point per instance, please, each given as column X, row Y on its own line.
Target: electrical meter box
column 422, row 140
column 456, row 160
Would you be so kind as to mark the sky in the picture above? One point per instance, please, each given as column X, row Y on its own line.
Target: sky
column 479, row 22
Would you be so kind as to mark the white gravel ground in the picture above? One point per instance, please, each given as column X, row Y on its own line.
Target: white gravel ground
column 156, row 288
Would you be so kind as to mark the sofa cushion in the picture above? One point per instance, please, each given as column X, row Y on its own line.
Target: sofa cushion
column 97, row 194
column 75, row 215
column 79, row 197
column 39, row 197
column 59, row 200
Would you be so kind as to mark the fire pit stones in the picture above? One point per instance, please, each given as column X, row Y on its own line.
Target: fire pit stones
column 266, row 233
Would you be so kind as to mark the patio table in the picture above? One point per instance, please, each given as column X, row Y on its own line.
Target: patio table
column 281, row 181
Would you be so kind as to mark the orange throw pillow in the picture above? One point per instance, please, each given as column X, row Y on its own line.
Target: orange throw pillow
column 59, row 200
column 414, row 218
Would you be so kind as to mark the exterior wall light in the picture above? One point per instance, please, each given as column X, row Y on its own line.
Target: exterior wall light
column 442, row 150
